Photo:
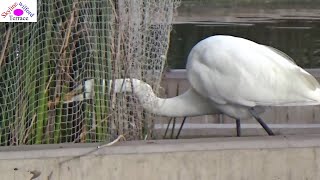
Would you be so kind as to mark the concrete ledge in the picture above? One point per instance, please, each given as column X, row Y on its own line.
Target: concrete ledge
column 278, row 157
column 194, row 130
column 160, row 146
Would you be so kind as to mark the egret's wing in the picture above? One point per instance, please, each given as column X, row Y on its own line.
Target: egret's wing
column 280, row 53
column 238, row 71
column 307, row 78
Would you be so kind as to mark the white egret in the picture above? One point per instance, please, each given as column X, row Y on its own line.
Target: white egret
column 228, row 75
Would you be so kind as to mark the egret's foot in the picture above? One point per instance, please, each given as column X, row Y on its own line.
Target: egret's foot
column 262, row 123
column 238, row 127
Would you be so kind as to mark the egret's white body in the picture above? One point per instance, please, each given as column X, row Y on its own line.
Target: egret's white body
column 235, row 73
column 229, row 75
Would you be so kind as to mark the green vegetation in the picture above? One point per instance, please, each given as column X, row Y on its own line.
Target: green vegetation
column 41, row 62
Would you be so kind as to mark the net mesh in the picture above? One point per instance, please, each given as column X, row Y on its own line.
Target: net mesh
column 74, row 41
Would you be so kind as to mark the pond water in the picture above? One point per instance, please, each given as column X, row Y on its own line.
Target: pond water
column 299, row 38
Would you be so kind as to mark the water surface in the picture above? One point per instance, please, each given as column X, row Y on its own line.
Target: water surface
column 299, row 37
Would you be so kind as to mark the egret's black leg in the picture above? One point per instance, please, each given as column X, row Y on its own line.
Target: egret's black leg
column 263, row 124
column 173, row 126
column 165, row 133
column 183, row 121
column 238, row 127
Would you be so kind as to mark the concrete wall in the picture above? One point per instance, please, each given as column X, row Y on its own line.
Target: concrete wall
column 245, row 158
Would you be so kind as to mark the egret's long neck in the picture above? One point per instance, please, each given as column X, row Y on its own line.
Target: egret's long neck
column 187, row 104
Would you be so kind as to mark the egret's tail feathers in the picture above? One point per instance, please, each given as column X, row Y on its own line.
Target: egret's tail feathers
column 311, row 99
column 305, row 103
column 314, row 97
